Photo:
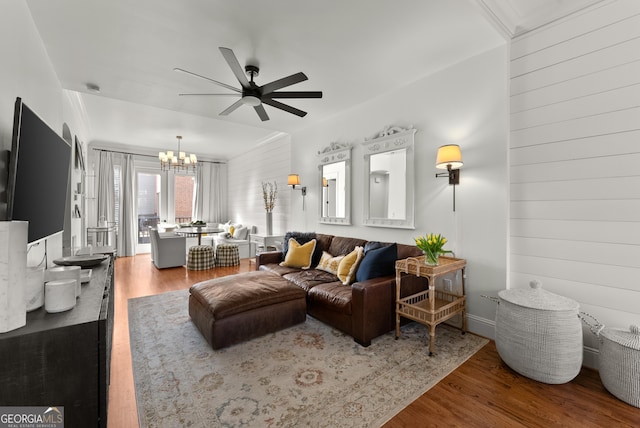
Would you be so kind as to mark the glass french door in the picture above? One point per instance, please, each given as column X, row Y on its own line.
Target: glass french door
column 148, row 206
column 161, row 197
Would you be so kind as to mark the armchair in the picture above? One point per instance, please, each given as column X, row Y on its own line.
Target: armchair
column 167, row 250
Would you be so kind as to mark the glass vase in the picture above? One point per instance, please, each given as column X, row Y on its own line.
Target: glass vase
column 430, row 259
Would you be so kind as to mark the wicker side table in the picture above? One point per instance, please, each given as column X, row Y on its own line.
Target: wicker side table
column 430, row 307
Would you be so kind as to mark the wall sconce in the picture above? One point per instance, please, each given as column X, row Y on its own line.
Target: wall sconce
column 294, row 180
column 325, row 183
column 450, row 158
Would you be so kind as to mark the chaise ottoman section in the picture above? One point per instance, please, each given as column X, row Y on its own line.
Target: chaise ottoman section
column 236, row 308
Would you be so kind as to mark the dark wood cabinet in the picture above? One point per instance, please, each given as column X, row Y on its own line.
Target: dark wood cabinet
column 64, row 359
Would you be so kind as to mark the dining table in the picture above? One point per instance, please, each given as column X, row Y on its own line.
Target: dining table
column 197, row 231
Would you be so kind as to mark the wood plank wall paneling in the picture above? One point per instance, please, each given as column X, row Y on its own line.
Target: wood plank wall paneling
column 575, row 160
column 268, row 162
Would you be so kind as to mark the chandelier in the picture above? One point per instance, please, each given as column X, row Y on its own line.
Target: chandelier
column 179, row 161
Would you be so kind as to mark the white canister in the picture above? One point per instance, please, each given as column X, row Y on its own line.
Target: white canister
column 59, row 295
column 66, row 272
column 34, row 292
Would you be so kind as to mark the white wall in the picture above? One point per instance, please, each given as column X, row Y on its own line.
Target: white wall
column 270, row 161
column 575, row 161
column 26, row 72
column 465, row 104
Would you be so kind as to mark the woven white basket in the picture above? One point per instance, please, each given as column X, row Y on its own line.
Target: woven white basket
column 619, row 360
column 539, row 335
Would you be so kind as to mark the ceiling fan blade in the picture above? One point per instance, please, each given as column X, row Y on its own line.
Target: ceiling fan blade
column 281, row 83
column 261, row 112
column 237, row 69
column 224, row 85
column 233, row 95
column 232, row 107
column 285, row 107
column 294, row 94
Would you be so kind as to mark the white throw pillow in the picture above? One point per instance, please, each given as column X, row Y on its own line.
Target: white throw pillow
column 240, row 233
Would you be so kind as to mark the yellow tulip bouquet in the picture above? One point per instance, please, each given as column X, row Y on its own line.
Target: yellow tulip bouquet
column 431, row 245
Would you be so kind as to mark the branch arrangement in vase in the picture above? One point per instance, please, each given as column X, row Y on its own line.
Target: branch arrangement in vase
column 269, row 194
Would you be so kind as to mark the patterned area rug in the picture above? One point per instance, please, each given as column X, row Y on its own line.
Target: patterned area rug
column 308, row 375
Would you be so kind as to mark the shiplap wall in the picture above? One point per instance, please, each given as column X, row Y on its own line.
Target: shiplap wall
column 270, row 161
column 575, row 161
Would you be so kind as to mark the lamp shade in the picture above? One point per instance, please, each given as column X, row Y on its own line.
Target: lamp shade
column 293, row 180
column 449, row 155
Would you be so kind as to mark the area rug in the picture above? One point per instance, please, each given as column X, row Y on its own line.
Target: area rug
column 309, row 375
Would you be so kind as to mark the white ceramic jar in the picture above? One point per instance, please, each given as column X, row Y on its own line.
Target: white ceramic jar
column 59, row 295
column 66, row 272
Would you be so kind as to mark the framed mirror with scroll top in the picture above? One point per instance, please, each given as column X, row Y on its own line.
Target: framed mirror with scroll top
column 334, row 166
column 389, row 179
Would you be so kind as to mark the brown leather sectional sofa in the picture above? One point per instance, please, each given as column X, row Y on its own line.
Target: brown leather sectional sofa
column 364, row 310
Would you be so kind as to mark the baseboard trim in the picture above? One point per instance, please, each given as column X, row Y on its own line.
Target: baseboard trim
column 481, row 326
column 591, row 358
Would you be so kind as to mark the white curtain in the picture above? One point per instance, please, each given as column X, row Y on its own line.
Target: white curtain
column 106, row 194
column 218, row 200
column 210, row 201
column 199, row 193
column 127, row 235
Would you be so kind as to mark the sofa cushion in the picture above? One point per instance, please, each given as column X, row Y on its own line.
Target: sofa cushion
column 405, row 251
column 323, row 243
column 277, row 269
column 308, row 279
column 343, row 246
column 378, row 262
column 329, row 263
column 332, row 295
column 299, row 255
column 349, row 265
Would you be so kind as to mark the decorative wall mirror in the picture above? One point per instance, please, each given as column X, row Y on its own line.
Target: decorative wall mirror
column 334, row 166
column 389, row 179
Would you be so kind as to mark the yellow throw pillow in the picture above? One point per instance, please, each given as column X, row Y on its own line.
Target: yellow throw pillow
column 328, row 263
column 231, row 230
column 299, row 256
column 349, row 266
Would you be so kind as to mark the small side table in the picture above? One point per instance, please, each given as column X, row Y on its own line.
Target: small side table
column 266, row 241
column 430, row 307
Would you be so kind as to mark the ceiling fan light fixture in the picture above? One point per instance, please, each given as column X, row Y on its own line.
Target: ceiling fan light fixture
column 254, row 95
column 250, row 100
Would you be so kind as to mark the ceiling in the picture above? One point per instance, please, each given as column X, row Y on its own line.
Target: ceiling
column 353, row 51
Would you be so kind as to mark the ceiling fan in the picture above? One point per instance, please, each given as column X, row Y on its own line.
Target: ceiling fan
column 253, row 95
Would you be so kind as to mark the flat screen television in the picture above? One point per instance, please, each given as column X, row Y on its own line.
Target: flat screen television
column 38, row 178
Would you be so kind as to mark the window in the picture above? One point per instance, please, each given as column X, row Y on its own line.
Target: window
column 184, row 187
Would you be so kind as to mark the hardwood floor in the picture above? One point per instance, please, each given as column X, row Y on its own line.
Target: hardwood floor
column 483, row 392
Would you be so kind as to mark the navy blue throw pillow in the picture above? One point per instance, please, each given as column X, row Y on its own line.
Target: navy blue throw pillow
column 378, row 262
column 372, row 245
